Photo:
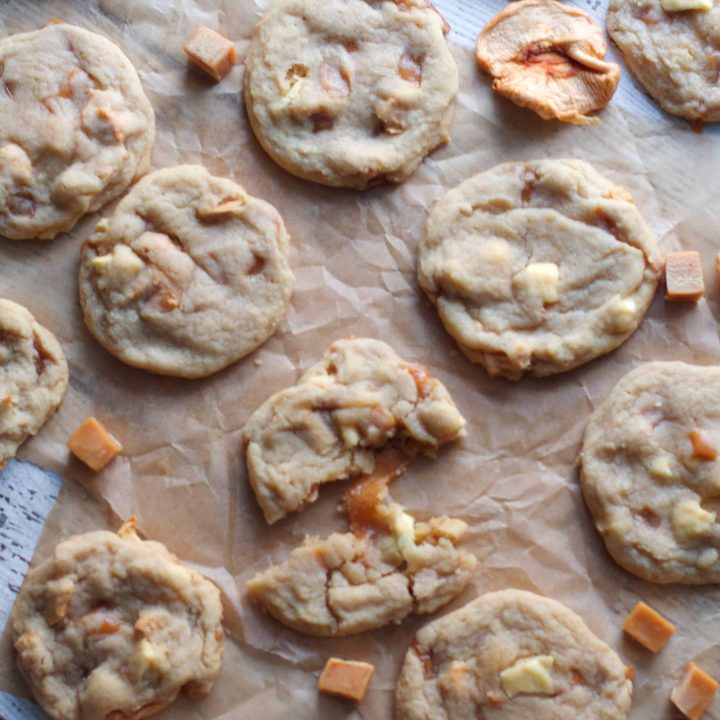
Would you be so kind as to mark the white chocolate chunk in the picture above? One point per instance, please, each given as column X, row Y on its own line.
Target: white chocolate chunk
column 403, row 530
column 690, row 519
column 541, row 280
column 529, row 676
column 623, row 312
column 682, row 5
column 147, row 654
column 660, row 467
column 350, row 436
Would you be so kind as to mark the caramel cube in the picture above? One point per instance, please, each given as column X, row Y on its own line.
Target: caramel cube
column 211, row 52
column 93, row 444
column 345, row 678
column 694, row 693
column 648, row 627
column 683, row 276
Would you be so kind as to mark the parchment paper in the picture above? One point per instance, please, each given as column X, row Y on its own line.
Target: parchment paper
column 513, row 479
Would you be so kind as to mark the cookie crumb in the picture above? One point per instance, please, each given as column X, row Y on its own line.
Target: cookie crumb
column 211, row 52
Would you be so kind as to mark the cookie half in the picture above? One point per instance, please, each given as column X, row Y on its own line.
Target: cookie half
column 75, row 129
column 359, row 398
column 33, row 377
column 508, row 655
column 538, row 267
column 675, row 55
column 650, row 473
column 111, row 626
column 350, row 93
column 189, row 274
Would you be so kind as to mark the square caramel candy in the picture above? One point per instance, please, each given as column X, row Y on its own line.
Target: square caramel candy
column 648, row 627
column 211, row 52
column 345, row 678
column 692, row 697
column 683, row 276
column 93, row 444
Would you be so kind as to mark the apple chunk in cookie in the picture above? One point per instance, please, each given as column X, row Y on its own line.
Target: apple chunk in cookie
column 357, row 399
column 187, row 276
column 651, row 476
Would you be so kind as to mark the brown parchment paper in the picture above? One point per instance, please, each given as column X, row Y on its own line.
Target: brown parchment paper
column 513, row 478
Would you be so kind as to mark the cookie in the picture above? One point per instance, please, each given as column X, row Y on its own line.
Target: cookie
column 538, row 267
column 189, row 274
column 548, row 57
column 386, row 568
column 350, row 93
column 675, row 55
column 33, row 377
column 75, row 129
column 111, row 627
column 357, row 399
column 511, row 654
column 650, row 473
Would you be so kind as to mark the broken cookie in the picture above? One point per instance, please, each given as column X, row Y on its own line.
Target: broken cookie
column 548, row 57
column 357, row 399
column 387, row 567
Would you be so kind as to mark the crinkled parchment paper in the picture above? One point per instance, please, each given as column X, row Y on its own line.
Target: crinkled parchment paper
column 513, row 478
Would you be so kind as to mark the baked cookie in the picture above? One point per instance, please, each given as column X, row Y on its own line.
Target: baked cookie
column 548, row 57
column 650, row 473
column 538, row 267
column 675, row 55
column 387, row 567
column 357, row 399
column 509, row 655
column 33, row 377
column 112, row 627
column 188, row 275
column 350, row 93
column 75, row 129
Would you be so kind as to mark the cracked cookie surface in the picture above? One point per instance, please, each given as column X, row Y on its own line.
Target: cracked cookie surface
column 357, row 399
column 188, row 275
column 75, row 129
column 650, row 473
column 386, row 568
column 350, row 92
column 511, row 655
column 548, row 57
column 675, row 55
column 33, row 377
column 111, row 627
column 538, row 267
